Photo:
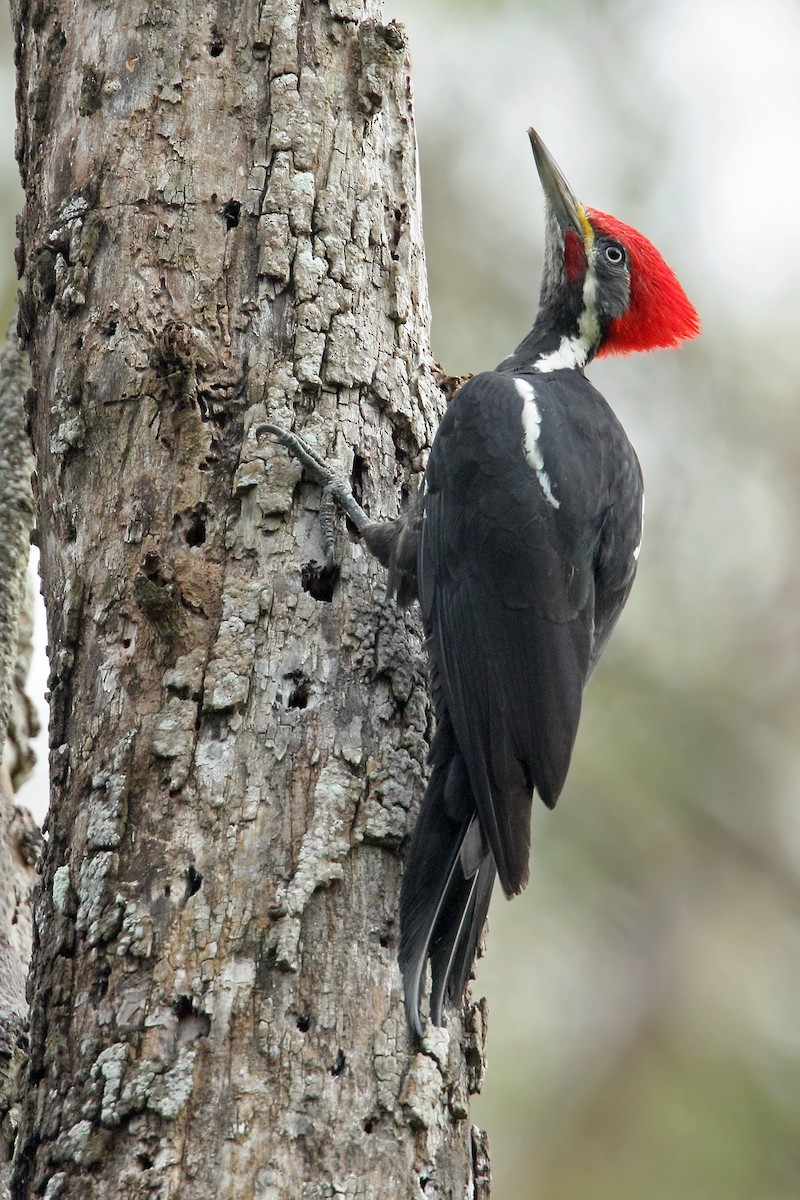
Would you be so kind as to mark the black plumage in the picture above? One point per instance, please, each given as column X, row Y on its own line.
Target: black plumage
column 519, row 586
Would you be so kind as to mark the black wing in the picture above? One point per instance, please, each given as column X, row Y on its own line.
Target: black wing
column 526, row 555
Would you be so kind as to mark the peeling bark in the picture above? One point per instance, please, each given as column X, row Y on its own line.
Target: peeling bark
column 222, row 227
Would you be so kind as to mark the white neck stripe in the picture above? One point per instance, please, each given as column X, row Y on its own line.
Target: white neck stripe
column 574, row 351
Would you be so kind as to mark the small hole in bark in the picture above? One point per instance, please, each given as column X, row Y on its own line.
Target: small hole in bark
column 220, row 418
column 368, row 1125
column 231, row 212
column 144, row 1162
column 357, row 476
column 300, row 694
column 167, row 889
column 126, row 643
column 304, row 1022
column 22, row 1042
column 196, row 533
column 111, row 327
column 151, row 567
column 217, row 43
column 192, row 1024
column 319, row 581
column 194, row 881
column 385, row 940
column 400, row 448
column 424, row 1180
column 338, row 1065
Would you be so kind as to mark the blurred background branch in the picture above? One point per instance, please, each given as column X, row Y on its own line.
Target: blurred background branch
column 19, row 837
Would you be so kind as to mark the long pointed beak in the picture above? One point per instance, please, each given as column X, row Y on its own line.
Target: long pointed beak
column 567, row 209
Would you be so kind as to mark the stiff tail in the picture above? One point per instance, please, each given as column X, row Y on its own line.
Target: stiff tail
column 446, row 889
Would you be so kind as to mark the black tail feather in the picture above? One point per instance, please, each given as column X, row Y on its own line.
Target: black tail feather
column 442, row 909
column 457, row 943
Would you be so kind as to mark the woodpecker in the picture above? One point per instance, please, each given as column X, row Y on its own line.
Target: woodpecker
column 521, row 549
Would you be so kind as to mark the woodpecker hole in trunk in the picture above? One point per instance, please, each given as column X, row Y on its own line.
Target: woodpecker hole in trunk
column 357, row 477
column 319, row 581
column 194, row 880
column 196, row 533
column 300, row 694
column 192, row 1024
column 231, row 211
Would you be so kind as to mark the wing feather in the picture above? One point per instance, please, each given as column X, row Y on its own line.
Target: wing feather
column 519, row 586
column 507, row 594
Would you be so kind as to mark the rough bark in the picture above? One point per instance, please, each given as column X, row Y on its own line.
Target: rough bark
column 222, row 226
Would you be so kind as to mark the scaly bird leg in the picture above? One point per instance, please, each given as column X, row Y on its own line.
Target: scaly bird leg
column 335, row 492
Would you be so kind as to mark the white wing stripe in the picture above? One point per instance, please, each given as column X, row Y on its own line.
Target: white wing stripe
column 532, row 427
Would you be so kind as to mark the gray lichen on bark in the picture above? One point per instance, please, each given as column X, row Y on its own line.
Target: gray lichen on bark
column 225, row 229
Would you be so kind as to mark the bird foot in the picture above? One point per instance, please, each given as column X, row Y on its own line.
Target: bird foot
column 335, row 492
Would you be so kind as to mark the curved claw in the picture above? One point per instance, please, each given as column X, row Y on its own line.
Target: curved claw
column 327, row 514
column 299, row 449
column 335, row 491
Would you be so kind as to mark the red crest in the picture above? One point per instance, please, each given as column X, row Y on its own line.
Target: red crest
column 660, row 314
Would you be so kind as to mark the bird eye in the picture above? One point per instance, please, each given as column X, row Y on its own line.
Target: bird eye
column 615, row 253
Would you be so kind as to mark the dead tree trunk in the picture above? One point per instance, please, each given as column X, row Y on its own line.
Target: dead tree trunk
column 222, row 226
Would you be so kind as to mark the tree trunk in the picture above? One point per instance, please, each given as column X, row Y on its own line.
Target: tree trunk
column 222, row 226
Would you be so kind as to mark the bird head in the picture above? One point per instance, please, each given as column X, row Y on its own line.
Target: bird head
column 604, row 282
